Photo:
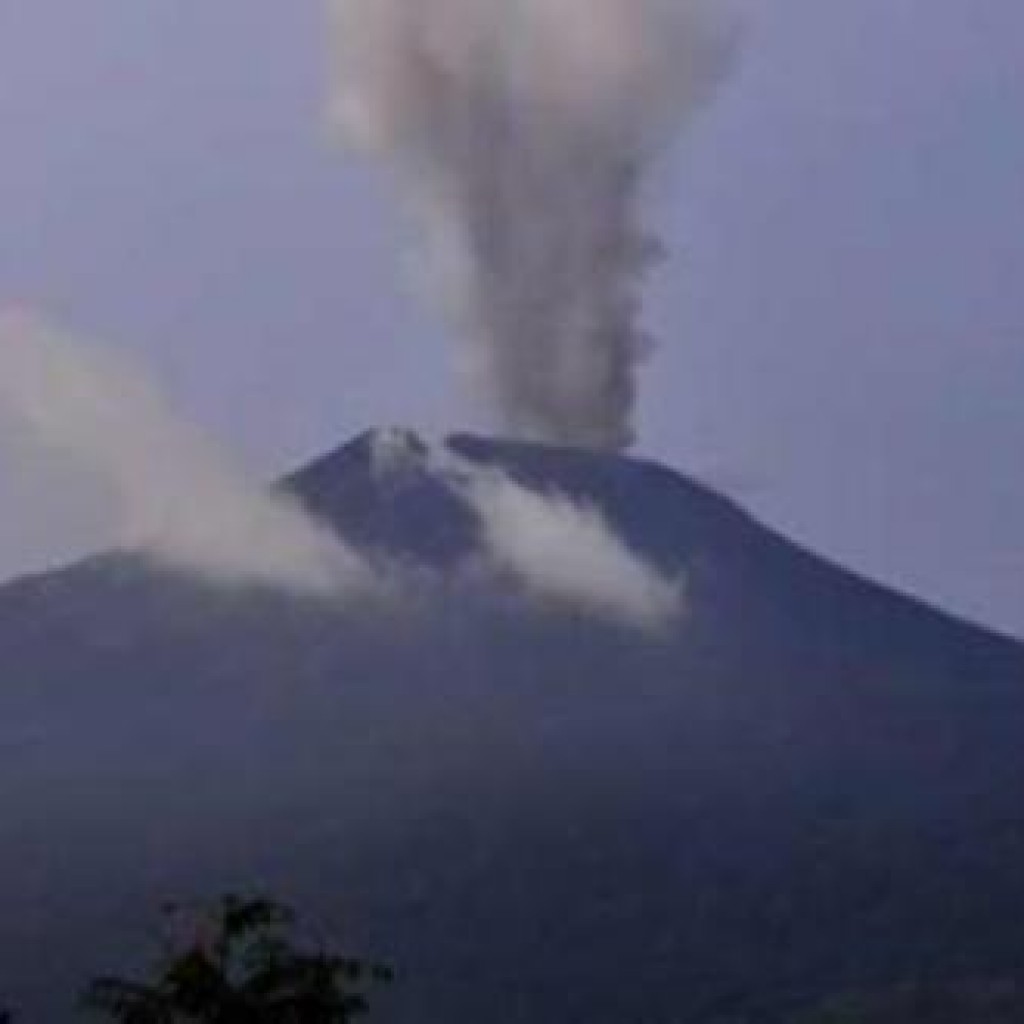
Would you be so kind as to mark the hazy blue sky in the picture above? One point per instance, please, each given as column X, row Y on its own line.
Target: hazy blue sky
column 842, row 324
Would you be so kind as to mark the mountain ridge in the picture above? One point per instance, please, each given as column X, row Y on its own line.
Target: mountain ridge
column 307, row 482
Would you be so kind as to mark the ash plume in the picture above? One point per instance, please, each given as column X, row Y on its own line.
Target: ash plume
column 523, row 132
column 180, row 499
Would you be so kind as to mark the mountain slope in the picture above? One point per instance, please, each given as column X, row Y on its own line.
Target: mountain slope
column 812, row 784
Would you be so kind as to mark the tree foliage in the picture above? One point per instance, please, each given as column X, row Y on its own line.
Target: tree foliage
column 239, row 966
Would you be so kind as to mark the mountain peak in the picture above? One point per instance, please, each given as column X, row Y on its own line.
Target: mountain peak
column 395, row 450
column 395, row 491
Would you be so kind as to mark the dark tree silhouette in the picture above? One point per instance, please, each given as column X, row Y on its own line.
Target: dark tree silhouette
column 239, row 966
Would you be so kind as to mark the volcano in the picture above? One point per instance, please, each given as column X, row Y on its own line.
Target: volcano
column 811, row 784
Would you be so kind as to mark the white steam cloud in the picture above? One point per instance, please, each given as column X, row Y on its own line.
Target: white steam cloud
column 523, row 131
column 564, row 551
column 180, row 498
column 186, row 504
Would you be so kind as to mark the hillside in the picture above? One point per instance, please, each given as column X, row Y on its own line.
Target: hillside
column 813, row 784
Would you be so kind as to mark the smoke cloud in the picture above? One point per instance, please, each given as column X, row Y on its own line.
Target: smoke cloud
column 523, row 131
column 180, row 499
column 565, row 551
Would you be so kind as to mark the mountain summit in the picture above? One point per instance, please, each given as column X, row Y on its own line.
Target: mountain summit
column 808, row 784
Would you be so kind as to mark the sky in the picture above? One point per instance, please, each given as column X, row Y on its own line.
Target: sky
column 841, row 323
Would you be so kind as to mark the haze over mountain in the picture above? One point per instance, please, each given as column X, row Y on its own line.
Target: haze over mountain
column 807, row 783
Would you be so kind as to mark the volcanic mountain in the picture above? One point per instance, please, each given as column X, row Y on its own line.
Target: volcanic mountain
column 811, row 784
